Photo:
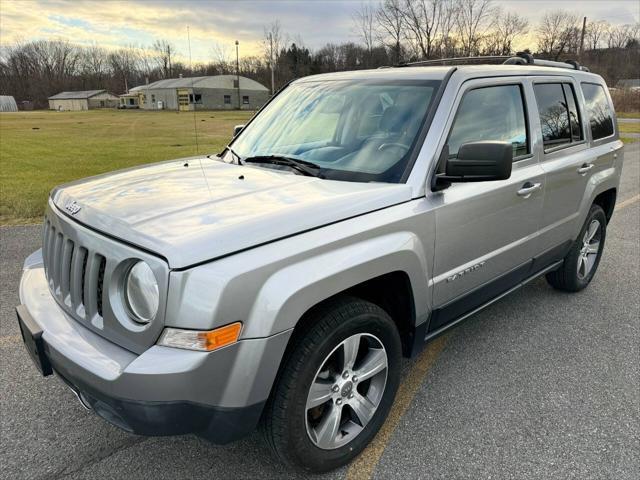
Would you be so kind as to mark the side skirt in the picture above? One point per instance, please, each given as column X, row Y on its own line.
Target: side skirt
column 432, row 334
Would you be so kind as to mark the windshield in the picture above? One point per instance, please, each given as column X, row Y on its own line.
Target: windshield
column 351, row 130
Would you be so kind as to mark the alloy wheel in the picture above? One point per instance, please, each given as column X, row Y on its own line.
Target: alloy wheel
column 590, row 248
column 346, row 391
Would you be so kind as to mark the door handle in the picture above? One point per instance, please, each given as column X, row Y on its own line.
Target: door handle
column 528, row 188
column 585, row 168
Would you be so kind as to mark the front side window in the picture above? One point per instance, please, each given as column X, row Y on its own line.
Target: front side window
column 559, row 116
column 352, row 130
column 491, row 114
column 598, row 110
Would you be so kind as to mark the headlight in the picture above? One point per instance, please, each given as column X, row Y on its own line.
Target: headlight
column 141, row 292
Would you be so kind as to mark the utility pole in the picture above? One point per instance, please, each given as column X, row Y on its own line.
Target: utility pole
column 584, row 27
column 238, row 73
column 273, row 89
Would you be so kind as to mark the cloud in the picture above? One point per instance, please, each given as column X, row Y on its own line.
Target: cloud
column 114, row 24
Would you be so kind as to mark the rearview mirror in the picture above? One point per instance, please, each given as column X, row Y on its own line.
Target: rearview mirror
column 478, row 162
column 237, row 129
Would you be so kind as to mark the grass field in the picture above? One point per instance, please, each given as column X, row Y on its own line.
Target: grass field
column 42, row 149
column 626, row 128
column 39, row 150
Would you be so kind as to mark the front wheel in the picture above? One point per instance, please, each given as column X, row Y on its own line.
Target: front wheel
column 335, row 388
column 582, row 261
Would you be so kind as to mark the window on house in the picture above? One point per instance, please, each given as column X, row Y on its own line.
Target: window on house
column 491, row 114
column 227, row 99
column 235, row 83
column 195, row 98
column 598, row 110
column 559, row 116
column 245, row 99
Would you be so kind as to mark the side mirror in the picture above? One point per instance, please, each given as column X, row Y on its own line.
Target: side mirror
column 237, row 129
column 477, row 162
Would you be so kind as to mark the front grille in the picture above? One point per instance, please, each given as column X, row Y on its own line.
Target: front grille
column 75, row 274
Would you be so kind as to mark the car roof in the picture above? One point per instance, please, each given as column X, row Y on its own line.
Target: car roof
column 439, row 73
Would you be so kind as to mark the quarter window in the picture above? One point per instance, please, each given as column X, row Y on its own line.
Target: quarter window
column 598, row 110
column 491, row 114
column 559, row 116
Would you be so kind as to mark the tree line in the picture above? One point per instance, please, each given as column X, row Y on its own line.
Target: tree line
column 389, row 33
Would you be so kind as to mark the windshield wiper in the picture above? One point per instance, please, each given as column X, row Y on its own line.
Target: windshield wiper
column 306, row 168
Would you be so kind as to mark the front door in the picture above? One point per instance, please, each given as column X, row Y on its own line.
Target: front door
column 486, row 231
column 183, row 100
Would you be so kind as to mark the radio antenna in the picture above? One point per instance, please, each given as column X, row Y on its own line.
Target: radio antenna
column 193, row 94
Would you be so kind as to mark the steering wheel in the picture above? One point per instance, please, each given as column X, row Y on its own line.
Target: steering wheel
column 384, row 146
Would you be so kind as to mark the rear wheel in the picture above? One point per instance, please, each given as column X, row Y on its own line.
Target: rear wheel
column 582, row 261
column 335, row 388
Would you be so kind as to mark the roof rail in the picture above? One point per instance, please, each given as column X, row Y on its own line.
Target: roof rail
column 457, row 60
column 520, row 58
column 523, row 58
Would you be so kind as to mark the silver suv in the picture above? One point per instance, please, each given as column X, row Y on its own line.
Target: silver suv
column 355, row 218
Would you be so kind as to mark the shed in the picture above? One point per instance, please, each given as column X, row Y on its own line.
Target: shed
column 629, row 83
column 219, row 92
column 8, row 104
column 83, row 100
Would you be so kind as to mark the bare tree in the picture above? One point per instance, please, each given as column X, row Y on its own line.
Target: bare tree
column 447, row 41
column 508, row 27
column 364, row 26
column 558, row 33
column 390, row 27
column 474, row 17
column 619, row 36
column 164, row 50
column 422, row 21
column 595, row 34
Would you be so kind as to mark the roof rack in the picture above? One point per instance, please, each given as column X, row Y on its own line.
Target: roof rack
column 520, row 58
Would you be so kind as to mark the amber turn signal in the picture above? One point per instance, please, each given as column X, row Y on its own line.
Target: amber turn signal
column 205, row 341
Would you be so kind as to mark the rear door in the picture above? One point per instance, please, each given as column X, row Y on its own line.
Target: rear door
column 567, row 159
column 486, row 231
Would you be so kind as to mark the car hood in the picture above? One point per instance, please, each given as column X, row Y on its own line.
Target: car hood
column 193, row 210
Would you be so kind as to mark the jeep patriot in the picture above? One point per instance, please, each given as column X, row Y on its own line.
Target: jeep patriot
column 356, row 217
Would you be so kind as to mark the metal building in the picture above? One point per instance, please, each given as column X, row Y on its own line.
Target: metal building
column 8, row 104
column 220, row 92
column 83, row 100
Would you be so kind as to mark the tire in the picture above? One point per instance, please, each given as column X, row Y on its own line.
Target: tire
column 294, row 432
column 582, row 261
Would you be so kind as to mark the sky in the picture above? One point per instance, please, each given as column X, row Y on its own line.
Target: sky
column 215, row 25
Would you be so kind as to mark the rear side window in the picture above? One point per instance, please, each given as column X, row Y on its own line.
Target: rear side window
column 598, row 110
column 491, row 114
column 559, row 116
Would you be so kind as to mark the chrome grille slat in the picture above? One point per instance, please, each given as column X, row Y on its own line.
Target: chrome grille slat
column 91, row 284
column 65, row 276
column 56, row 261
column 45, row 242
column 75, row 285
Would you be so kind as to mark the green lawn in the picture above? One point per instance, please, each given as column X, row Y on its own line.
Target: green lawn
column 629, row 128
column 42, row 149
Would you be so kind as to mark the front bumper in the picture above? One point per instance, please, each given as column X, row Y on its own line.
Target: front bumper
column 163, row 391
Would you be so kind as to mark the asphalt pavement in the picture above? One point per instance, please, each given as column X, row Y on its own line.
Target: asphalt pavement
column 540, row 385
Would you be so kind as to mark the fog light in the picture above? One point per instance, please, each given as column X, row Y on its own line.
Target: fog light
column 205, row 341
